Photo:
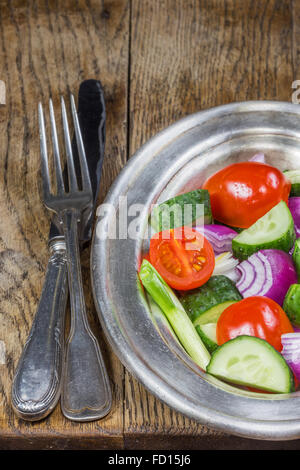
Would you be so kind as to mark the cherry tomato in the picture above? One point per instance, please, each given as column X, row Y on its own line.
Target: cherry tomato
column 243, row 192
column 254, row 316
column 183, row 257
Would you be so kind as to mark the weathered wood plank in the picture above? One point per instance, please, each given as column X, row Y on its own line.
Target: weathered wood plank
column 48, row 48
column 188, row 56
column 2, row 93
column 296, row 39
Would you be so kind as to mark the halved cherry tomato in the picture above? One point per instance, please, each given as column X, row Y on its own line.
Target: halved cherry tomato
column 254, row 316
column 183, row 257
column 243, row 192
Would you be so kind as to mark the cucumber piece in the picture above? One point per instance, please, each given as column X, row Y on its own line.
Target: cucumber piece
column 296, row 257
column 213, row 314
column 208, row 335
column 291, row 304
column 206, row 303
column 253, row 362
column 275, row 230
column 294, row 177
column 185, row 209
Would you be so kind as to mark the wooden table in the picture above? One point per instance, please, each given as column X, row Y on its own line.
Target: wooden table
column 158, row 60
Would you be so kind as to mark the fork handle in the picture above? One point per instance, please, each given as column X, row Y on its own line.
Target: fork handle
column 86, row 393
column 37, row 381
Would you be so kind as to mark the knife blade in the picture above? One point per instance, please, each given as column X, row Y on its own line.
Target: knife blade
column 37, row 382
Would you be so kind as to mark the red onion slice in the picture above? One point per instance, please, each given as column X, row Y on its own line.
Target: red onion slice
column 268, row 273
column 291, row 351
column 294, row 206
column 219, row 236
column 225, row 264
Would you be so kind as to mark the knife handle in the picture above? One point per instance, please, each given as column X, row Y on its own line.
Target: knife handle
column 37, row 381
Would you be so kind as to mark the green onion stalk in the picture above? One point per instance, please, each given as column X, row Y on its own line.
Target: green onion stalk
column 164, row 296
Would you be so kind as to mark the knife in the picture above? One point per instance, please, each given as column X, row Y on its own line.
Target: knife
column 38, row 379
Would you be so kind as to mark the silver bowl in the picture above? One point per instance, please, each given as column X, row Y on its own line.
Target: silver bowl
column 179, row 159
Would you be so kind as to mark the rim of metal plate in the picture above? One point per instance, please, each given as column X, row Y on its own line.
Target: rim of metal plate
column 199, row 143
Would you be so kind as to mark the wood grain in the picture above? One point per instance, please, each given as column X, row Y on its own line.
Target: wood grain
column 47, row 48
column 2, row 93
column 158, row 60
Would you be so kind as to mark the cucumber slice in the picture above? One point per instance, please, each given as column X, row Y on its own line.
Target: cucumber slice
column 294, row 177
column 213, row 314
column 291, row 304
column 208, row 335
column 186, row 209
column 250, row 361
column 273, row 230
column 206, row 303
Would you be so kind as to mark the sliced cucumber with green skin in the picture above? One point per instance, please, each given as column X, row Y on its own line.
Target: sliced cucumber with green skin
column 208, row 335
column 186, row 209
column 273, row 230
column 213, row 314
column 206, row 303
column 291, row 304
column 294, row 177
column 296, row 257
column 252, row 362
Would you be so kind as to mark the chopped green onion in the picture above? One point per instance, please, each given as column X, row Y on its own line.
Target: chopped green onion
column 164, row 296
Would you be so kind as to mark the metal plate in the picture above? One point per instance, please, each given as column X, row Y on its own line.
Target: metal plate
column 179, row 159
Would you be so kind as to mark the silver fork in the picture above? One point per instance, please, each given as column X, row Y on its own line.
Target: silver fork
column 86, row 394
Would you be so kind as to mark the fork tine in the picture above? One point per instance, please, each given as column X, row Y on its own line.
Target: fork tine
column 73, row 186
column 58, row 171
column 85, row 177
column 44, row 156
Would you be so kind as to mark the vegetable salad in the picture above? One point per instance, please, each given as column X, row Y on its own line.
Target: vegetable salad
column 228, row 282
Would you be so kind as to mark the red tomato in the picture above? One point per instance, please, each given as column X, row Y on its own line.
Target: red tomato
column 254, row 316
column 183, row 257
column 243, row 192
